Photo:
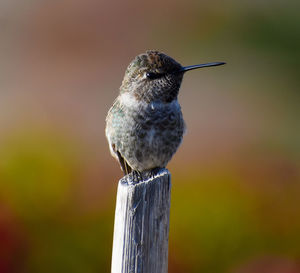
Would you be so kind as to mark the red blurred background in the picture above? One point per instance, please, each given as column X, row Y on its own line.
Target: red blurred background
column 235, row 196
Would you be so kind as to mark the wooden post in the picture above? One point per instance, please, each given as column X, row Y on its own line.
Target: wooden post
column 141, row 231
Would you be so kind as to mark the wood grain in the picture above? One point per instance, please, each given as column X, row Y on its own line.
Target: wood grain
column 141, row 230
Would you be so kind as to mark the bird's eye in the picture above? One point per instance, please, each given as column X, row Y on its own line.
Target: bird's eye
column 152, row 75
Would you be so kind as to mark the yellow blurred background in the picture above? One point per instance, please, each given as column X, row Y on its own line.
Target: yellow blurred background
column 235, row 196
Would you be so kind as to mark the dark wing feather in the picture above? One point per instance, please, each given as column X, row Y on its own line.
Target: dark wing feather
column 123, row 163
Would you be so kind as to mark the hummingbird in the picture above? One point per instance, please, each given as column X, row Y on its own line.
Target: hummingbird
column 145, row 126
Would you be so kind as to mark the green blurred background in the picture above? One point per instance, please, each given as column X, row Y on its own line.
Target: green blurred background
column 236, row 187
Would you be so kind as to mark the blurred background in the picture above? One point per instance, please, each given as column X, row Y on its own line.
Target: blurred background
column 236, row 177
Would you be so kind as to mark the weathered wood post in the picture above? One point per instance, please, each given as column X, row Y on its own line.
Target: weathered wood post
column 141, row 231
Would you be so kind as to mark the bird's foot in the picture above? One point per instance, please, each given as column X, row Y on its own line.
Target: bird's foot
column 136, row 176
column 155, row 171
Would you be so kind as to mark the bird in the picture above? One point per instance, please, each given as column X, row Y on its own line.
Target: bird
column 145, row 126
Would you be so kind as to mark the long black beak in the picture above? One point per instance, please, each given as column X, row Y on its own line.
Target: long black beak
column 191, row 67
